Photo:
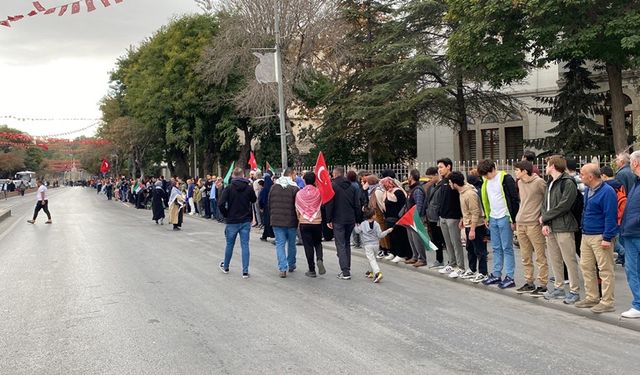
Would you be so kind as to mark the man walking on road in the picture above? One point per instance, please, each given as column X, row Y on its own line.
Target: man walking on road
column 235, row 205
column 343, row 212
column 599, row 228
column 284, row 220
column 559, row 226
column 43, row 203
column 630, row 237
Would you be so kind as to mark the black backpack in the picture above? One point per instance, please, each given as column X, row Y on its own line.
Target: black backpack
column 578, row 204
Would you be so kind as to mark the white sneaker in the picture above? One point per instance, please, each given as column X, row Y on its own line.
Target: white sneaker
column 456, row 273
column 447, row 269
column 631, row 314
column 478, row 278
column 468, row 275
column 389, row 257
column 397, row 259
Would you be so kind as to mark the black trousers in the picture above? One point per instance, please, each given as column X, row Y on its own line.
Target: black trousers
column 342, row 239
column 311, row 235
column 44, row 206
column 477, row 250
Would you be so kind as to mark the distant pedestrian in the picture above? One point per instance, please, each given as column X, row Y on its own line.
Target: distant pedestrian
column 176, row 204
column 235, row 205
column 157, row 203
column 42, row 203
column 284, row 219
column 370, row 235
column 267, row 231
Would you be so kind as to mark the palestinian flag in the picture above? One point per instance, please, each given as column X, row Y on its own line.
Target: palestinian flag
column 227, row 177
column 412, row 220
column 137, row 187
column 267, row 168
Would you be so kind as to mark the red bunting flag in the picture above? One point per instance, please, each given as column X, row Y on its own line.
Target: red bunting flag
column 119, row 1
column 90, row 6
column 15, row 18
column 105, row 3
column 32, row 13
column 5, row 23
column 253, row 164
column 63, row 9
column 50, row 10
column 75, row 7
column 38, row 6
column 323, row 180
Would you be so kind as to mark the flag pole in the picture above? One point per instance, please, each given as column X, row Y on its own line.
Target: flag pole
column 283, row 130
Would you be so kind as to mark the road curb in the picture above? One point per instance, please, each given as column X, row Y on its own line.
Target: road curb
column 609, row 318
column 4, row 214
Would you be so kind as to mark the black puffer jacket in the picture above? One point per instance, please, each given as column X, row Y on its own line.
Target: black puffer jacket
column 236, row 200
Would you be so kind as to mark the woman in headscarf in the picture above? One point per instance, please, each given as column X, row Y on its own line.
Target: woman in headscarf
column 176, row 202
column 308, row 203
column 264, row 205
column 376, row 195
column 157, row 202
column 395, row 200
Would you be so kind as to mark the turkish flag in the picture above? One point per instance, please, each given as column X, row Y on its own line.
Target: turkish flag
column 252, row 161
column 32, row 13
column 75, row 7
column 104, row 168
column 5, row 23
column 90, row 6
column 323, row 180
column 50, row 10
column 105, row 3
column 63, row 9
column 118, row 1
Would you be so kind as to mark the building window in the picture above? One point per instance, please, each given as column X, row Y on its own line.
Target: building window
column 489, row 119
column 491, row 144
column 514, row 143
column 472, row 145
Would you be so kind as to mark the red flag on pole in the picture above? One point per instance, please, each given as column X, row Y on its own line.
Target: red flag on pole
column 38, row 6
column 252, row 161
column 323, row 180
column 105, row 3
column 90, row 6
column 63, row 9
column 75, row 7
column 104, row 168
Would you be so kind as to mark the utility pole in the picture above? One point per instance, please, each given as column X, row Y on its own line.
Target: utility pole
column 279, row 77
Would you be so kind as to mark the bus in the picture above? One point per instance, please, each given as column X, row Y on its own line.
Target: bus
column 28, row 177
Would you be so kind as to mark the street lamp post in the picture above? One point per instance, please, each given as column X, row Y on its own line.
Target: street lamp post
column 279, row 77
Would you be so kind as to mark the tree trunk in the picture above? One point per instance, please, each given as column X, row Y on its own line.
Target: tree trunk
column 370, row 155
column 465, row 146
column 245, row 150
column 614, row 73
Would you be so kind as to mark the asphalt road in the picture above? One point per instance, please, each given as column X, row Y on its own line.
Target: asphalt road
column 104, row 290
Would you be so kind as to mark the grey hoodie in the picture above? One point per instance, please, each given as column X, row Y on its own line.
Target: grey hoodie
column 371, row 236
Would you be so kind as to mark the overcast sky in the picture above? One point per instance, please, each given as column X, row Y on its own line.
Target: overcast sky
column 57, row 67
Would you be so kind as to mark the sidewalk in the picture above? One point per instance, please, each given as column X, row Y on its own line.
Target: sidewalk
column 622, row 293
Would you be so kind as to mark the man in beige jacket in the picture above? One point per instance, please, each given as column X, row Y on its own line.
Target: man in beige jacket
column 532, row 189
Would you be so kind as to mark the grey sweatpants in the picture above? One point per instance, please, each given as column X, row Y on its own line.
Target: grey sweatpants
column 451, row 234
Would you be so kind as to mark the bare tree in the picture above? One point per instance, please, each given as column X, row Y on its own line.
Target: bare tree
column 206, row 5
column 308, row 30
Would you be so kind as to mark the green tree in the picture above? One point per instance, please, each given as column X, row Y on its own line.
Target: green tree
column 34, row 158
column 574, row 108
column 506, row 38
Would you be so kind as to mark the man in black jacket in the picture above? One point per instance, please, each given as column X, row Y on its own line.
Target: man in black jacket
column 343, row 212
column 284, row 220
column 235, row 206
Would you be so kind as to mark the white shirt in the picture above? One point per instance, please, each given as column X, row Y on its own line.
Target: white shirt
column 497, row 200
column 42, row 191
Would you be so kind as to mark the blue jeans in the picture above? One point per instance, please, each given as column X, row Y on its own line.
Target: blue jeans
column 619, row 249
column 231, row 231
column 502, row 244
column 632, row 267
column 285, row 236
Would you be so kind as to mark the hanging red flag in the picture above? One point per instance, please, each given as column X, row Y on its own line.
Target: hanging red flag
column 105, row 3
column 75, row 7
column 15, row 18
column 38, row 6
column 50, row 10
column 118, row 1
column 323, row 180
column 253, row 164
column 104, row 168
column 63, row 9
column 90, row 6
column 32, row 13
column 5, row 23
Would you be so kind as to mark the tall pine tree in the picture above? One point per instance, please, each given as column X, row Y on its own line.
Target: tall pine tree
column 574, row 108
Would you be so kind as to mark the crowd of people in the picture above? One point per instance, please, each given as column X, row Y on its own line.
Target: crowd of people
column 571, row 220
